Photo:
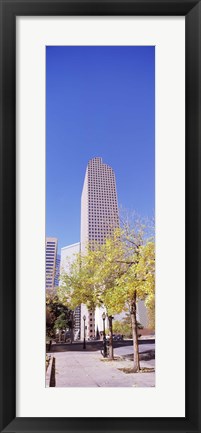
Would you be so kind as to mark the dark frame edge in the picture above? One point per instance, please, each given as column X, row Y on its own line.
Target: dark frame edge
column 7, row 221
column 72, row 425
column 1, row 199
column 193, row 209
column 8, row 422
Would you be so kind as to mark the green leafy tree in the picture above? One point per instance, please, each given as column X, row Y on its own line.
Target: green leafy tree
column 89, row 280
column 114, row 275
column 56, row 309
column 78, row 285
column 126, row 274
column 111, row 266
column 137, row 283
column 60, row 324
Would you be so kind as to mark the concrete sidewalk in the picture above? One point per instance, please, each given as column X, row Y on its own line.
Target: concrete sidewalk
column 90, row 369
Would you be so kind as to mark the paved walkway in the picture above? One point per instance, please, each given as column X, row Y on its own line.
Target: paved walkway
column 90, row 369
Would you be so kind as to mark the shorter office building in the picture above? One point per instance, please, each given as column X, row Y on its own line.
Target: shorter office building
column 57, row 274
column 51, row 256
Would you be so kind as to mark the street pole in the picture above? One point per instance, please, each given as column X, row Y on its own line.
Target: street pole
column 104, row 337
column 84, row 343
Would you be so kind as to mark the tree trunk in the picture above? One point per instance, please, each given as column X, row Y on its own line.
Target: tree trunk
column 111, row 355
column 136, row 361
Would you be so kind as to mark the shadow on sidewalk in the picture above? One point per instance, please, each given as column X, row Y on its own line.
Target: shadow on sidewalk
column 144, row 356
column 92, row 346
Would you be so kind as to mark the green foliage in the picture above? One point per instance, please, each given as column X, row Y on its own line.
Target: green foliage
column 61, row 322
column 58, row 315
column 139, row 276
column 78, row 284
column 151, row 313
column 110, row 274
column 122, row 327
column 114, row 275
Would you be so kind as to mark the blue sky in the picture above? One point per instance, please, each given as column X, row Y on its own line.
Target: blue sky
column 100, row 101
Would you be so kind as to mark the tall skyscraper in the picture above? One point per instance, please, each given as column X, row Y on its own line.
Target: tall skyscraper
column 99, row 208
column 99, row 214
column 51, row 255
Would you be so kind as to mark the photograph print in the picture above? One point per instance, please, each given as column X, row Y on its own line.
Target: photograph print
column 100, row 216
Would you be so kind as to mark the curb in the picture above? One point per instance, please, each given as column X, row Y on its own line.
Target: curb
column 50, row 373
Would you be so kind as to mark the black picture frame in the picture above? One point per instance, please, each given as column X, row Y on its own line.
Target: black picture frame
column 191, row 9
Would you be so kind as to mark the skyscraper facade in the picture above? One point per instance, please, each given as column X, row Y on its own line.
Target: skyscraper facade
column 57, row 273
column 51, row 256
column 99, row 214
column 99, row 207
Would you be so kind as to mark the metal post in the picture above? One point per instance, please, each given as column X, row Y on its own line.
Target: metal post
column 84, row 343
column 104, row 337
